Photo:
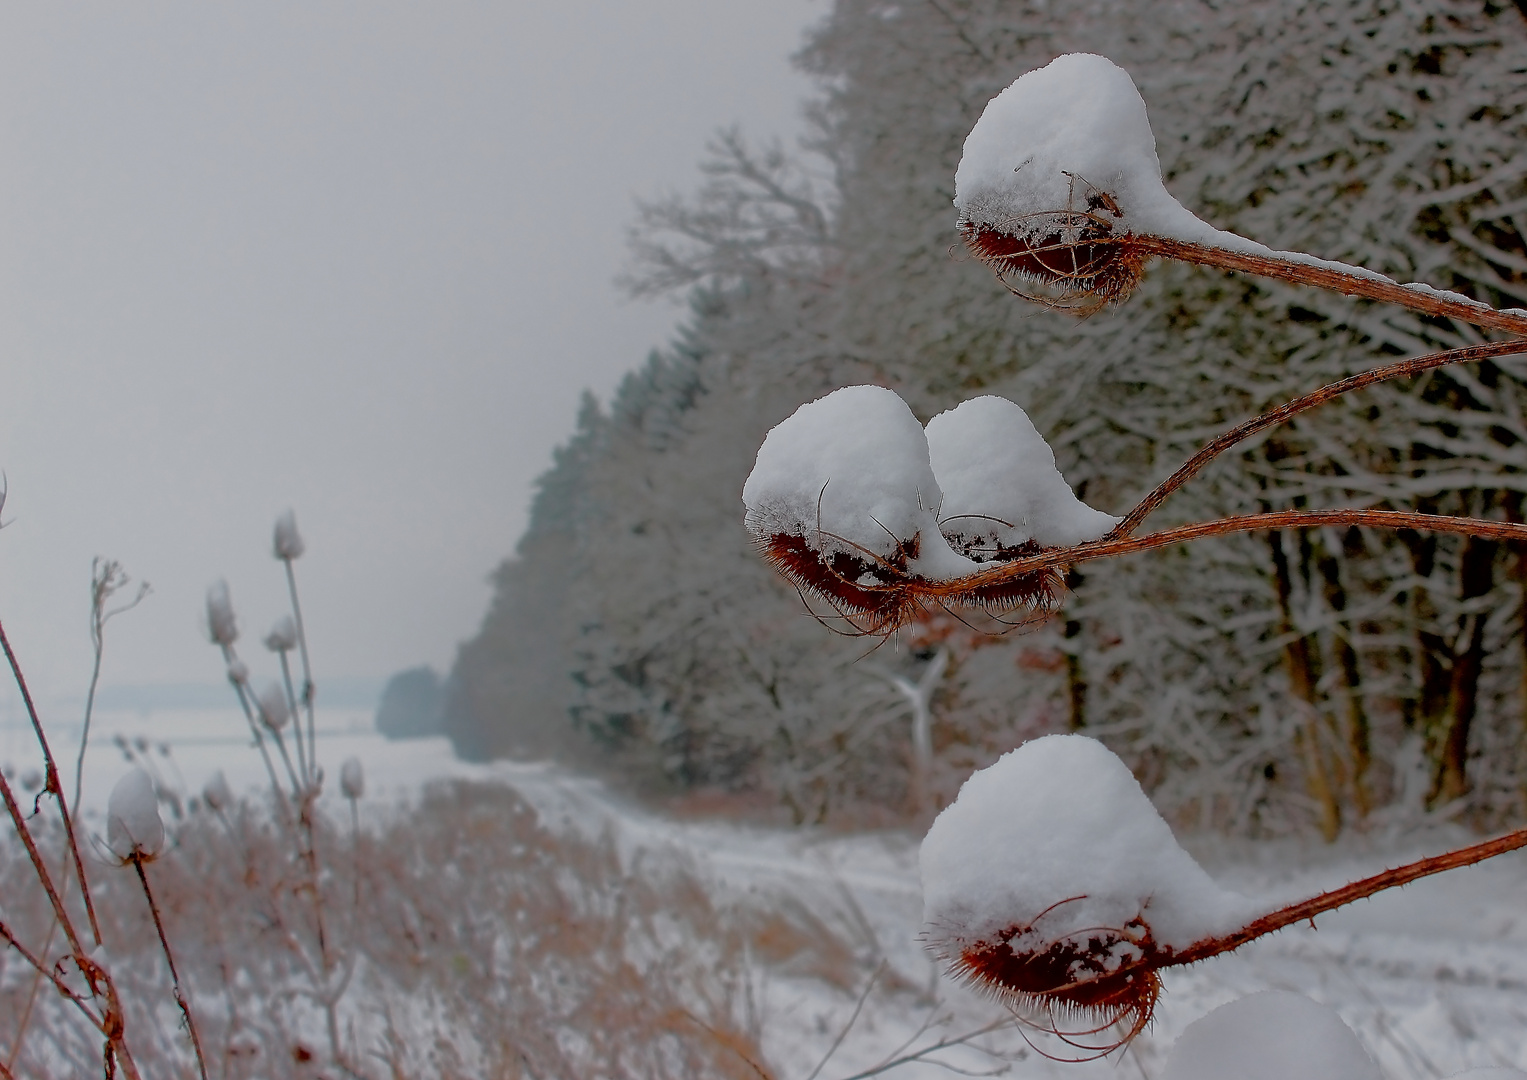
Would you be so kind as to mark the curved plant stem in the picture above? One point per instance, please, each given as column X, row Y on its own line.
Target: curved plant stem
column 1425, row 301
column 1107, row 548
column 1272, row 418
column 51, row 784
column 1357, row 890
column 180, row 998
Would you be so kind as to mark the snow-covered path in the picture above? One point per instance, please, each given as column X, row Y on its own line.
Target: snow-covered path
column 1432, row 976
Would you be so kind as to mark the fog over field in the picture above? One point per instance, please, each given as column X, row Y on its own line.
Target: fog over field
column 353, row 259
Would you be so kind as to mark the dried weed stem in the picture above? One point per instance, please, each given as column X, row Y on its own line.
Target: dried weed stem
column 1273, row 417
column 180, row 998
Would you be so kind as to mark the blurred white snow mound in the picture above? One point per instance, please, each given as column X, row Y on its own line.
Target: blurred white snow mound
column 1495, row 1072
column 1273, row 1035
column 1056, row 838
column 1055, row 140
column 1001, row 487
column 133, row 824
column 850, row 473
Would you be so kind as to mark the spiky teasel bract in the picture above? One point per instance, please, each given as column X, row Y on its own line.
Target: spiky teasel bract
column 1094, row 989
column 873, row 596
column 1074, row 253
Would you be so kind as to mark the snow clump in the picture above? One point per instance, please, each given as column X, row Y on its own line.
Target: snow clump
column 352, row 778
column 222, row 626
column 1001, row 487
column 217, row 794
column 1055, row 853
column 1272, row 1035
column 273, row 707
column 1072, row 135
column 282, row 636
column 849, row 474
column 1061, row 165
column 133, row 825
column 286, row 543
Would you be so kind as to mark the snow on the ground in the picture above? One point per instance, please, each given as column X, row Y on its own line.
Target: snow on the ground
column 1432, row 977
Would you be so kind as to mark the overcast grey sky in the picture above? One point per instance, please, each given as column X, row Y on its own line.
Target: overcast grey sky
column 349, row 258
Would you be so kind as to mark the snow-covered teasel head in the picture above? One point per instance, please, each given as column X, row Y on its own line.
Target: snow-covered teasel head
column 1003, row 494
column 222, row 625
column 134, row 829
column 286, row 543
column 352, row 778
column 842, row 499
column 1272, row 1035
column 274, row 711
column 216, row 793
column 282, row 636
column 238, row 672
column 1052, row 882
column 1060, row 166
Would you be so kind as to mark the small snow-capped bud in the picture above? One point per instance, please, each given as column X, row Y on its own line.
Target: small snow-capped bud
column 282, row 636
column 222, row 626
column 238, row 672
column 217, row 794
column 272, row 704
column 1002, row 491
column 352, row 778
column 1052, row 882
column 287, row 542
column 133, row 825
column 1272, row 1035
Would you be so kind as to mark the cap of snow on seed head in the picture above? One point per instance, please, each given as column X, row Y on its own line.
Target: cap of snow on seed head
column 286, row 543
column 1272, row 1035
column 222, row 625
column 1051, row 877
column 1002, row 491
column 217, row 794
column 352, row 778
column 133, row 825
column 1060, row 164
column 282, row 636
column 273, row 707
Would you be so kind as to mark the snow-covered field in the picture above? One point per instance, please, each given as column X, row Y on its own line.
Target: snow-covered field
column 1433, row 977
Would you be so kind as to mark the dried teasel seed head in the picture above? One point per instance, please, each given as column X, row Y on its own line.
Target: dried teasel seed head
column 1058, row 175
column 217, row 794
column 282, row 636
column 841, row 501
column 134, row 828
column 274, row 711
column 1003, row 495
column 1052, row 883
column 286, row 542
column 222, row 625
column 352, row 778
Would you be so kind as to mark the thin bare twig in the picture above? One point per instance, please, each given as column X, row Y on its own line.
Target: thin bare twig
column 51, row 784
column 942, row 1044
column 843, row 1034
